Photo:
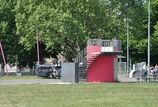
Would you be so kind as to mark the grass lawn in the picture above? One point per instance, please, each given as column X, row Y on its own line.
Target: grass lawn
column 18, row 78
column 80, row 95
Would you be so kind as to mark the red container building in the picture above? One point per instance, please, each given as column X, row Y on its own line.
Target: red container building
column 101, row 60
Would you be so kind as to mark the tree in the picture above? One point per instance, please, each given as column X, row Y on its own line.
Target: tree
column 67, row 24
column 8, row 38
column 27, row 24
column 154, row 31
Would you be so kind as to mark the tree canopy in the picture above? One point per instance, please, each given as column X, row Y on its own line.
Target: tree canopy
column 65, row 26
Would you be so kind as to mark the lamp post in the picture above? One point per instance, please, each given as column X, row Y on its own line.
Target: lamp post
column 128, row 20
column 3, row 58
column 37, row 47
column 148, row 38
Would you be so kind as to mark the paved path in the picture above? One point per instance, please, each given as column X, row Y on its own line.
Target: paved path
column 57, row 81
column 49, row 81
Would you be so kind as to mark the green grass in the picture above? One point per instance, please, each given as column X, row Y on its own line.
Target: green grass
column 80, row 95
column 18, row 78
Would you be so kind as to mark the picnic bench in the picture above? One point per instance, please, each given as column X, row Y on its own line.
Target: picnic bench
column 148, row 77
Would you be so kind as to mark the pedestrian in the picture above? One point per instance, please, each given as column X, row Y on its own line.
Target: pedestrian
column 156, row 72
column 152, row 69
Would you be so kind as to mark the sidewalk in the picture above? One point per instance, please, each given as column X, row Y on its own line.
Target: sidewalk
column 123, row 78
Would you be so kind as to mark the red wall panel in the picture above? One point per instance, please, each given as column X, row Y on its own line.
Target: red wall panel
column 101, row 70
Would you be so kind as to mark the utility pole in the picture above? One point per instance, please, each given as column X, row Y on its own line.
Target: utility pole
column 148, row 38
column 128, row 20
column 130, row 64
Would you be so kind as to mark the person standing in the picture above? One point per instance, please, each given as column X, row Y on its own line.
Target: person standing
column 152, row 69
column 156, row 72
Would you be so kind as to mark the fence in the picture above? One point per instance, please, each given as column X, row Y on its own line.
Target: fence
column 122, row 68
column 23, row 72
column 107, row 45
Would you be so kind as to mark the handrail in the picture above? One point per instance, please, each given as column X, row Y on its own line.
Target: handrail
column 81, row 56
column 112, row 43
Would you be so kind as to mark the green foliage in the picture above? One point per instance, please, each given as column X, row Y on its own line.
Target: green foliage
column 154, row 31
column 65, row 26
column 8, row 38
